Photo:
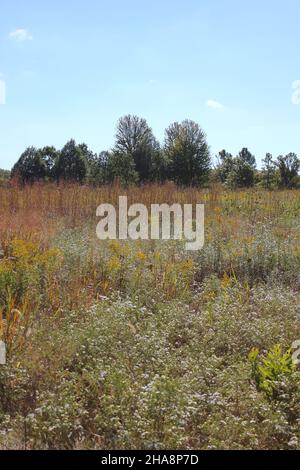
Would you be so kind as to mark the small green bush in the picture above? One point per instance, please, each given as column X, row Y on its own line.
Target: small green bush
column 268, row 371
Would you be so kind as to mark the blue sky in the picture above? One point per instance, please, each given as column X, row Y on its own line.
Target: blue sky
column 72, row 68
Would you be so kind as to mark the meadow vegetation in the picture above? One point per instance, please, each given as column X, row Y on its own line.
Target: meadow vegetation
column 143, row 345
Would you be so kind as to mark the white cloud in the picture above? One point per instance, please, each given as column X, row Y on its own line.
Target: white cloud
column 214, row 104
column 21, row 35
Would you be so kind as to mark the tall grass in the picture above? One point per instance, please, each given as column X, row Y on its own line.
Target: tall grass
column 142, row 344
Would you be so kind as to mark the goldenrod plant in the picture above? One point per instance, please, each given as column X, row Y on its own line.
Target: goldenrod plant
column 142, row 344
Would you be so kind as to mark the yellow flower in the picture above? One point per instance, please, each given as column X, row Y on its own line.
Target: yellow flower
column 187, row 265
column 116, row 247
column 141, row 256
column 114, row 264
column 23, row 250
column 226, row 281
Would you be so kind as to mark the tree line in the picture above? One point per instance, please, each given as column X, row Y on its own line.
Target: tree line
column 138, row 157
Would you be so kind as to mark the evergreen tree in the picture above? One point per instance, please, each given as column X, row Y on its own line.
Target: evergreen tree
column 30, row 167
column 247, row 157
column 49, row 156
column 268, row 171
column 71, row 164
column 225, row 166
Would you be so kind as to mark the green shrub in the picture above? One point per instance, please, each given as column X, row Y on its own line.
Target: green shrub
column 268, row 371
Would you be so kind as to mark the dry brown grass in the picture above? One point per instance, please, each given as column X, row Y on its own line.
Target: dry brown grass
column 72, row 307
column 77, row 203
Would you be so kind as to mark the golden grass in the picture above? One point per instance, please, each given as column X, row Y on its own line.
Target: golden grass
column 78, row 203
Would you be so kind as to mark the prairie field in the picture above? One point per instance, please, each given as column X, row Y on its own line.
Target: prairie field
column 144, row 345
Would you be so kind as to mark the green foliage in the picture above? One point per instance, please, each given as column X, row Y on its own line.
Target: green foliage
column 288, row 167
column 135, row 141
column 225, row 166
column 269, row 175
column 71, row 164
column 268, row 371
column 4, row 176
column 25, row 272
column 188, row 153
column 49, row 156
column 141, row 345
column 4, row 173
column 246, row 157
column 121, row 167
column 137, row 157
column 167, row 375
column 238, row 172
column 242, row 174
column 30, row 167
column 98, row 169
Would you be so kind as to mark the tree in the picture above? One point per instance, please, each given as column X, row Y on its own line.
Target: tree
column 4, row 176
column 159, row 167
column 247, row 157
column 71, row 164
column 87, row 154
column 188, row 153
column 236, row 172
column 134, row 139
column 49, row 156
column 99, row 169
column 288, row 167
column 242, row 174
column 121, row 167
column 225, row 166
column 30, row 167
column 268, row 171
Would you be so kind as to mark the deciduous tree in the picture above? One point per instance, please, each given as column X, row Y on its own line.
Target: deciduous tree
column 188, row 153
